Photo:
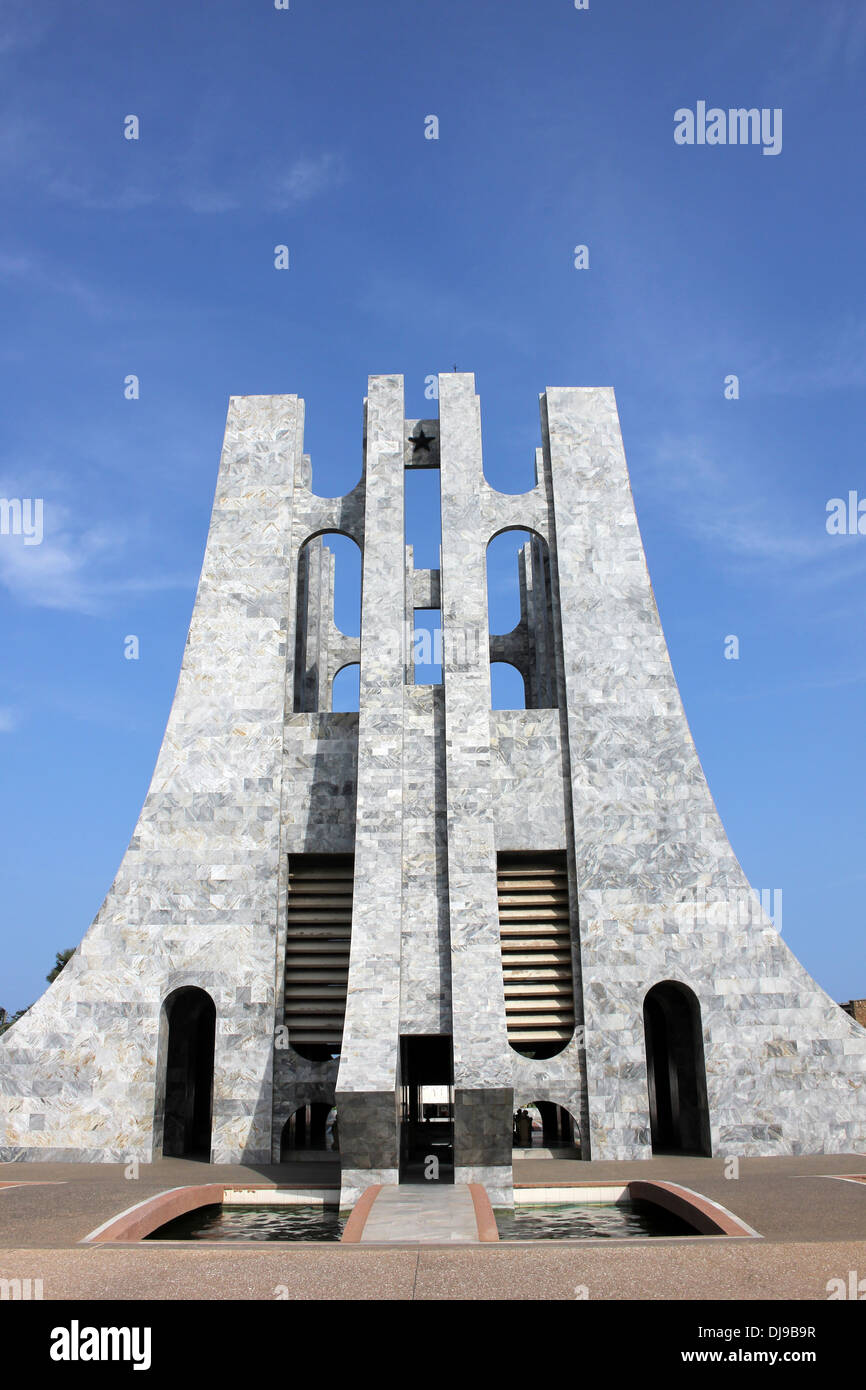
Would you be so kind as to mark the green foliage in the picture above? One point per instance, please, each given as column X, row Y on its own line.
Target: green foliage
column 60, row 960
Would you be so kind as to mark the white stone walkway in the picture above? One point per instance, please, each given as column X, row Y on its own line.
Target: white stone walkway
column 432, row 1214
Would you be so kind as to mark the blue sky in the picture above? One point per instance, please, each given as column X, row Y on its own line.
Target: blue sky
column 306, row 127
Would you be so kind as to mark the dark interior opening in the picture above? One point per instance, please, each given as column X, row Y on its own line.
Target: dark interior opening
column 557, row 1129
column 427, row 1109
column 676, row 1076
column 311, row 1129
column 189, row 1074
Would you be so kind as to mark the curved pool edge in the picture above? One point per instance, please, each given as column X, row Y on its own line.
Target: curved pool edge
column 485, row 1218
column 137, row 1222
column 354, row 1227
column 141, row 1220
column 708, row 1217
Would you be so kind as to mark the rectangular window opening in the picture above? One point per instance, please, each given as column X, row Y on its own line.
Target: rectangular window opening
column 318, row 937
column 535, row 934
column 427, row 646
column 423, row 504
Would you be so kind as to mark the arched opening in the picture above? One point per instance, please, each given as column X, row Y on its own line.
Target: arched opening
column 328, row 617
column 191, row 1017
column 346, row 689
column 542, row 1124
column 310, row 1132
column 520, row 621
column 507, row 686
column 676, row 1075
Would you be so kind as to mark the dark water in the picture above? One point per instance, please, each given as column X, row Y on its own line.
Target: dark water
column 587, row 1220
column 560, row 1222
column 255, row 1223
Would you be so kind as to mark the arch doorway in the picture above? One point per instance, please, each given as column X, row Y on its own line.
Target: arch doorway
column 311, row 1130
column 191, row 1016
column 542, row 1124
column 676, row 1076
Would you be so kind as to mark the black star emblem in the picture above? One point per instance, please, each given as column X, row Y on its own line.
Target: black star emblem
column 420, row 440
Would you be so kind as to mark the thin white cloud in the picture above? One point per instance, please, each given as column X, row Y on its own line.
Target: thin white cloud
column 728, row 511
column 79, row 566
column 67, row 572
column 306, row 179
column 8, row 720
column 127, row 198
column 836, row 362
column 22, row 25
column 195, row 178
column 303, row 181
column 54, row 574
column 840, row 40
column 208, row 201
column 35, row 272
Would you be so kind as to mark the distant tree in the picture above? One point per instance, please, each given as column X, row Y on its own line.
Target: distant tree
column 60, row 960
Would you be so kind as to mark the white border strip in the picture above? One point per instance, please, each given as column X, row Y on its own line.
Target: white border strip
column 549, row 1196
column 277, row 1197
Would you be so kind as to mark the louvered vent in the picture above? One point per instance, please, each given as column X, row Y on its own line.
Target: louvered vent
column 317, row 951
column 535, row 931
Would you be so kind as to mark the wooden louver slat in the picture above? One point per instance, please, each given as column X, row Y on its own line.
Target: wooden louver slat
column 535, row 934
column 318, row 937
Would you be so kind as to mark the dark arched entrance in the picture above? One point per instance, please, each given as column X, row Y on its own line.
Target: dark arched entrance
column 541, row 1124
column 676, row 1077
column 311, row 1129
column 191, row 1017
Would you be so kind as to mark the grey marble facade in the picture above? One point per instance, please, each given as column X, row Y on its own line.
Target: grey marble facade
column 425, row 785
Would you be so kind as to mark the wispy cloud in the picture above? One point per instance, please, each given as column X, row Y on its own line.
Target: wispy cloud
column 836, row 362
column 813, row 44
column 125, row 198
column 835, row 39
column 729, row 512
column 35, row 272
column 263, row 185
column 194, row 176
column 306, row 179
column 832, row 681
column 82, row 565
column 8, row 720
column 22, row 25
column 57, row 573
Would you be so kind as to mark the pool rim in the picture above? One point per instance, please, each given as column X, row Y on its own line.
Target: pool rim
column 136, row 1223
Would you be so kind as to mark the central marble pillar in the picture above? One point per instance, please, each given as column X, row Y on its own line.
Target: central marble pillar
column 482, row 1057
column 367, row 1081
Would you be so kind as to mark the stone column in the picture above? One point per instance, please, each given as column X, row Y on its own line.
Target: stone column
column 367, row 1082
column 482, row 1060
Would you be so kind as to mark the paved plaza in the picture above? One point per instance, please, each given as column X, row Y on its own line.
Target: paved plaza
column 811, row 1229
